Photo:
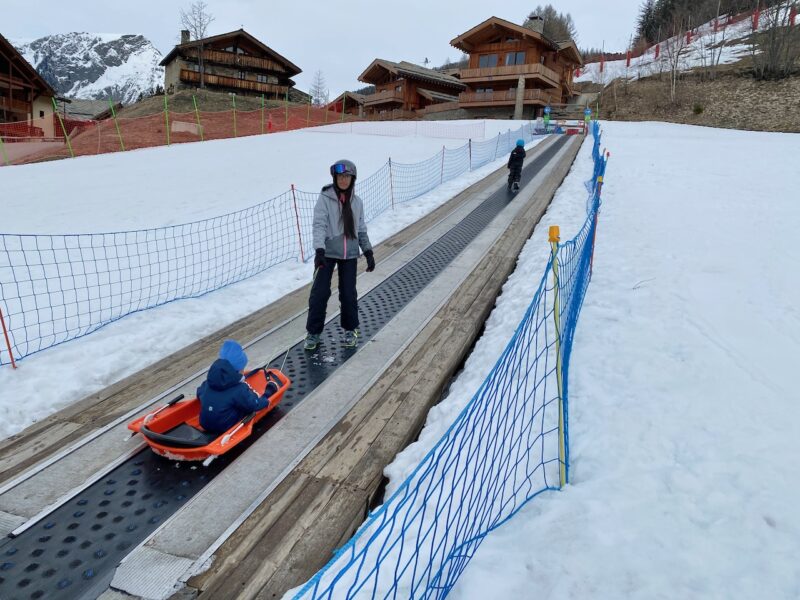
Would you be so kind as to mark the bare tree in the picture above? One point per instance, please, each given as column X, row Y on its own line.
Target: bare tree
column 675, row 48
column 196, row 22
column 319, row 90
column 777, row 47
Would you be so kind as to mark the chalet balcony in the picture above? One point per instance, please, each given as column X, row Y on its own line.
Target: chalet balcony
column 505, row 98
column 7, row 103
column 232, row 59
column 384, row 97
column 234, row 83
column 511, row 73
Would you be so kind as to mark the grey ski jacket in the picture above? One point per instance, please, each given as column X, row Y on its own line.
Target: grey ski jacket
column 329, row 229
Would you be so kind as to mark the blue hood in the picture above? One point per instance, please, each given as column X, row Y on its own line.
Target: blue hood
column 222, row 375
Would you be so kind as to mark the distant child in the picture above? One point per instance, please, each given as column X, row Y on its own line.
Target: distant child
column 225, row 397
column 515, row 164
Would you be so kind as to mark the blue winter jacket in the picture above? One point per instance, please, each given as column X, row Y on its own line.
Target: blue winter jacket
column 225, row 398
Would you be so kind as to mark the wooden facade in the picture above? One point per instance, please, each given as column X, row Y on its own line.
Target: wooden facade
column 406, row 87
column 233, row 62
column 26, row 99
column 350, row 102
column 504, row 56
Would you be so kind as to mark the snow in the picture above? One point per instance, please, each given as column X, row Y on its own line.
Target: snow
column 156, row 187
column 138, row 189
column 727, row 45
column 682, row 393
column 682, row 390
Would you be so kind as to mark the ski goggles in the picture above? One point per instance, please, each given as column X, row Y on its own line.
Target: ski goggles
column 340, row 169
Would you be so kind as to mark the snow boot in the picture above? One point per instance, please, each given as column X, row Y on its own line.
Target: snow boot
column 351, row 338
column 311, row 342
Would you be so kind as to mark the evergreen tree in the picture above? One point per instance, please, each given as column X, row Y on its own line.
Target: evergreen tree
column 557, row 26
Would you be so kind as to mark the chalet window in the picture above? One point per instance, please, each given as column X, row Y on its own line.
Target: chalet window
column 487, row 60
column 241, row 75
column 41, row 114
column 261, row 78
column 398, row 88
column 515, row 58
column 484, row 90
column 194, row 67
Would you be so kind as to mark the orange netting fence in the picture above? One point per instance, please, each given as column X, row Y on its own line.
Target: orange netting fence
column 60, row 137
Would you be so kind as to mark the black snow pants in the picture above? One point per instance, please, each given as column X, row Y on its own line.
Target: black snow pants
column 321, row 293
column 514, row 173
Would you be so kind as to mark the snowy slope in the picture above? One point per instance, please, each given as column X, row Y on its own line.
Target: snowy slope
column 728, row 44
column 683, row 395
column 96, row 66
column 139, row 189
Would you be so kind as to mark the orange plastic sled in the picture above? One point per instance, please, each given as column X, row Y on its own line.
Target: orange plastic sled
column 174, row 431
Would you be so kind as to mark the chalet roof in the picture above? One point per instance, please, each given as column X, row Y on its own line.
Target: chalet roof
column 570, row 51
column 88, row 110
column 434, row 96
column 466, row 42
column 410, row 71
column 351, row 96
column 290, row 66
column 18, row 61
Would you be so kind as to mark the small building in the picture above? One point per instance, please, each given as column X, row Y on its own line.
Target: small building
column 233, row 62
column 514, row 71
column 403, row 88
column 26, row 99
column 352, row 103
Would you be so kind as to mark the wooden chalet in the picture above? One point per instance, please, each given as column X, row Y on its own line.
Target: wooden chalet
column 401, row 88
column 231, row 62
column 352, row 103
column 26, row 99
column 514, row 68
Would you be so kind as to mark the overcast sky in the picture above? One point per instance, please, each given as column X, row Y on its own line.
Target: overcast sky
column 340, row 40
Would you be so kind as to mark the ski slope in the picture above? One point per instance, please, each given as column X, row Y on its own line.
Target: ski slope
column 683, row 397
column 727, row 45
column 170, row 185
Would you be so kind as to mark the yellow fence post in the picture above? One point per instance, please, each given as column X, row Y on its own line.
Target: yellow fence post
column 63, row 128
column 562, row 464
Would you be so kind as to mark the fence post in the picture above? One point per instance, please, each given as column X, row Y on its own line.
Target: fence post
column 391, row 183
column 262, row 114
column 297, row 221
column 63, row 128
column 166, row 116
column 114, row 115
column 233, row 100
column 3, row 150
column 496, row 147
column 469, row 143
column 562, row 463
column 8, row 342
column 596, row 199
column 197, row 115
column 441, row 178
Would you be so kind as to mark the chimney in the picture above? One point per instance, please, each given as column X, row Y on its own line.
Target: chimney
column 184, row 36
column 535, row 22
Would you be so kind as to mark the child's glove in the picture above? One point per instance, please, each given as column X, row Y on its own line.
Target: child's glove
column 319, row 258
column 271, row 388
column 370, row 261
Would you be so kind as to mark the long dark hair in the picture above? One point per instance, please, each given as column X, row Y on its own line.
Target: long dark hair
column 347, row 211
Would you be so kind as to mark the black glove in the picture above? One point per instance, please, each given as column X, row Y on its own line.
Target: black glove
column 319, row 258
column 370, row 261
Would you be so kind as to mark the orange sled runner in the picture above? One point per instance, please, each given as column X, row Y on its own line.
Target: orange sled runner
column 174, row 431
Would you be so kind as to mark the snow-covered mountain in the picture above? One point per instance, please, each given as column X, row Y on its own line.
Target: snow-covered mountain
column 96, row 66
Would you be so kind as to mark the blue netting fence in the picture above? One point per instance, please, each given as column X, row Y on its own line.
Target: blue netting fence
column 508, row 445
column 55, row 288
